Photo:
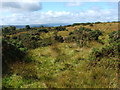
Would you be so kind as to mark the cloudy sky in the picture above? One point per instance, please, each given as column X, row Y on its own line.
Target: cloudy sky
column 31, row 12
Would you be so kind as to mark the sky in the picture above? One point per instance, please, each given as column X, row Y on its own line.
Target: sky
column 30, row 12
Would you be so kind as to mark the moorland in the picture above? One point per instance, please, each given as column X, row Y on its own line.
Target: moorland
column 81, row 55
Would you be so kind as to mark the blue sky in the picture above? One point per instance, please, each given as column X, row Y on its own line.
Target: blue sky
column 60, row 6
column 57, row 12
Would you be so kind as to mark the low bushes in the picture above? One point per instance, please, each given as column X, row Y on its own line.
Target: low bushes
column 114, row 36
column 60, row 28
column 111, row 50
column 83, row 35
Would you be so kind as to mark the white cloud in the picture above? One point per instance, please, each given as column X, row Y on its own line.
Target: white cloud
column 20, row 6
column 60, row 17
column 56, row 13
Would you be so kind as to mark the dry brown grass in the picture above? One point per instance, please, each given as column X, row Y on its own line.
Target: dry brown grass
column 105, row 27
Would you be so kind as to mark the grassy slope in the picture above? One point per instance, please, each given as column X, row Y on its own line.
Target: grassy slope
column 64, row 65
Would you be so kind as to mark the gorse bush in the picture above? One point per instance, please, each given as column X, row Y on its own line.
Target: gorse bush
column 88, row 33
column 114, row 36
column 111, row 50
column 60, row 28
column 95, row 34
column 96, row 54
column 45, row 42
column 43, row 30
column 84, row 24
column 11, row 52
column 83, row 35
column 8, row 30
column 59, row 39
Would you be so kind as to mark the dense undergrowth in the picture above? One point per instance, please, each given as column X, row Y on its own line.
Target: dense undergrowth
column 61, row 57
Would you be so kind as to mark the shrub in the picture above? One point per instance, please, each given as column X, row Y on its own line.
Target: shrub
column 14, row 37
column 45, row 42
column 111, row 50
column 95, row 34
column 74, row 24
column 71, row 33
column 5, row 31
column 114, row 36
column 59, row 39
column 60, row 28
column 34, row 32
column 41, row 26
column 10, row 54
column 27, row 27
column 91, row 24
column 30, row 44
column 43, row 30
column 95, row 54
column 71, row 38
column 97, row 22
column 12, row 28
column 83, row 35
column 8, row 30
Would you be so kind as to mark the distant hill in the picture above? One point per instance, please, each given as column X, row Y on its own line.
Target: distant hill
column 37, row 25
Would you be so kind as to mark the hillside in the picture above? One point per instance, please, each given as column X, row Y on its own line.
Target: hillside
column 72, row 56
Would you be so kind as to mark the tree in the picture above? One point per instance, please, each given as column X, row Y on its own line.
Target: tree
column 41, row 26
column 97, row 22
column 5, row 30
column 27, row 27
column 12, row 28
